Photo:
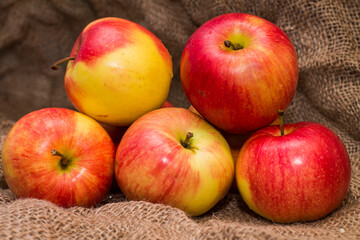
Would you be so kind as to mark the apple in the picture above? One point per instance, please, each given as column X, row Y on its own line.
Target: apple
column 237, row 70
column 117, row 71
column 166, row 104
column 302, row 175
column 174, row 157
column 59, row 155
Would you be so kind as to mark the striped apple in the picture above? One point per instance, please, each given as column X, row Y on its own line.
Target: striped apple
column 59, row 155
column 302, row 174
column 237, row 70
column 174, row 157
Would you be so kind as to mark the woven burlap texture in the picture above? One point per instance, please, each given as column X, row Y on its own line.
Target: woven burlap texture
column 36, row 33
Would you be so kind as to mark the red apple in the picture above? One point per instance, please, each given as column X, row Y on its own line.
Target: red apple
column 118, row 71
column 167, row 104
column 237, row 70
column 59, row 155
column 302, row 175
column 173, row 156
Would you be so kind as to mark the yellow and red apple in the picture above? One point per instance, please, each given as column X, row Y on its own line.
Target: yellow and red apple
column 59, row 155
column 302, row 175
column 237, row 70
column 118, row 71
column 173, row 156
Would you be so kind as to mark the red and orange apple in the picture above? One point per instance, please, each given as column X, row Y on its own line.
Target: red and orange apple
column 173, row 156
column 59, row 155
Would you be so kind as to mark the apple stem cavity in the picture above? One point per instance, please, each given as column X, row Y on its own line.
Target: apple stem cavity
column 229, row 44
column 186, row 143
column 63, row 161
column 55, row 66
column 281, row 121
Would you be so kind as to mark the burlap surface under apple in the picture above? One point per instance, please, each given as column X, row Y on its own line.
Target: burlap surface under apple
column 34, row 34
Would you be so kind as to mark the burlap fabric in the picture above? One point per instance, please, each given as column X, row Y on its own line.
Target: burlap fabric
column 36, row 33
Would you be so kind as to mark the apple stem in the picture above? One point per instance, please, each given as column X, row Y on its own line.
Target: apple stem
column 63, row 160
column 281, row 121
column 55, row 66
column 187, row 139
column 229, row 44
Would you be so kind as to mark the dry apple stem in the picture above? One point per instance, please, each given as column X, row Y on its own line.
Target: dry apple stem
column 229, row 44
column 187, row 139
column 63, row 160
column 55, row 66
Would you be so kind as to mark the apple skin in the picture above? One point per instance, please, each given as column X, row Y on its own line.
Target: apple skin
column 152, row 164
column 166, row 104
column 301, row 176
column 239, row 91
column 31, row 171
column 121, row 71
